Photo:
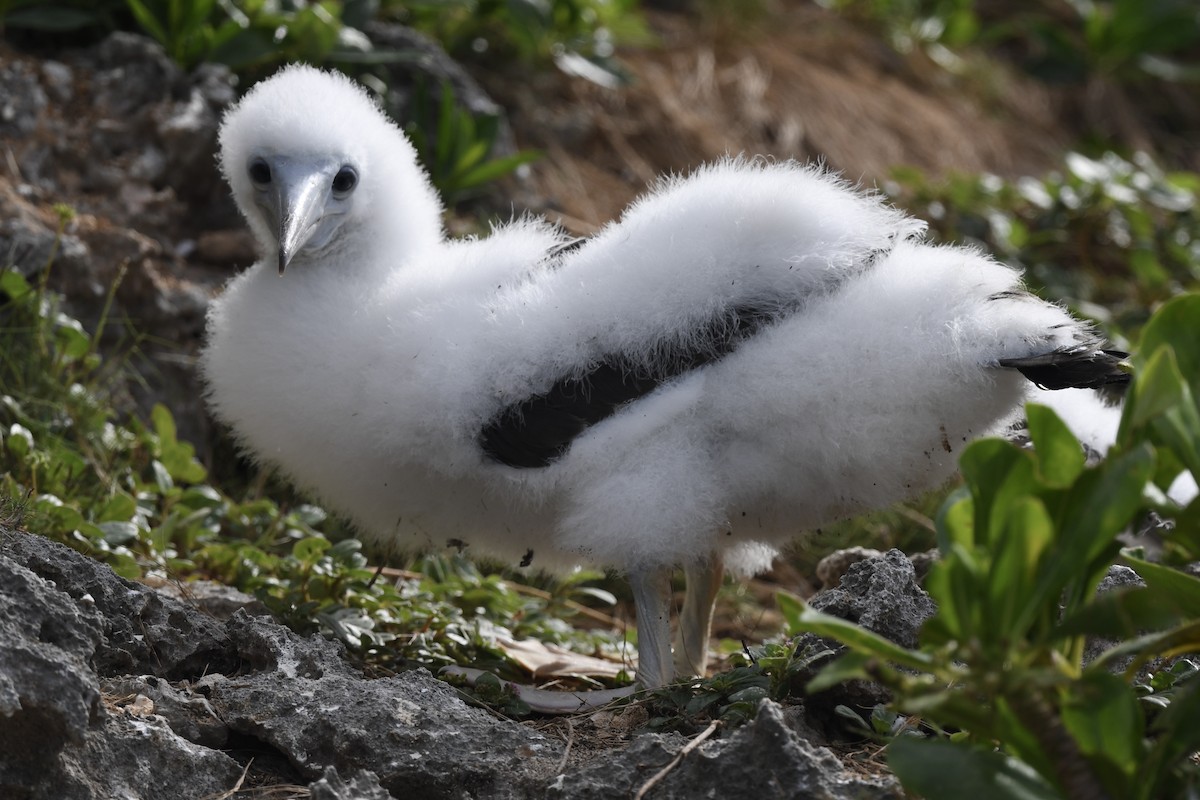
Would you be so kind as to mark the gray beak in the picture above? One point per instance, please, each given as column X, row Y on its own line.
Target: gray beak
column 299, row 206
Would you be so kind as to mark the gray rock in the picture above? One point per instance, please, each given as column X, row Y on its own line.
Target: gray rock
column 57, row 740
column 132, row 757
column 411, row 730
column 1119, row 577
column 143, row 632
column 832, row 567
column 215, row 599
column 764, row 759
column 187, row 712
column 21, row 102
column 48, row 693
column 295, row 703
column 881, row 594
column 362, row 786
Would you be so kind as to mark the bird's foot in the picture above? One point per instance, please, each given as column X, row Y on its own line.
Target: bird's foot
column 545, row 701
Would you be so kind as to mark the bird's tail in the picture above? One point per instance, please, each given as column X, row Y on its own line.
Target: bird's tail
column 1073, row 368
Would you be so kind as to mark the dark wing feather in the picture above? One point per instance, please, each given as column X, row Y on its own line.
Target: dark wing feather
column 536, row 431
column 1077, row 368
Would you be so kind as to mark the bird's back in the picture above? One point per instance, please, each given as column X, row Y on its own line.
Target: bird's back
column 751, row 351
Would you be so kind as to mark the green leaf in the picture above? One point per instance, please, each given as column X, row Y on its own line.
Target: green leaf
column 1181, row 589
column 310, row 515
column 13, row 283
column 162, row 476
column 1060, row 457
column 957, row 583
column 792, row 608
column 70, row 339
column 177, row 457
column 1101, row 504
column 149, row 22
column 955, row 521
column 942, row 770
column 496, row 168
column 1175, row 324
column 19, row 441
column 311, row 549
column 1178, row 737
column 1103, row 716
column 240, row 49
column 1121, row 614
column 164, row 424
column 1028, row 533
column 1159, row 388
column 998, row 473
column 1164, row 644
column 848, row 666
column 596, row 593
column 119, row 508
column 118, row 533
column 860, row 639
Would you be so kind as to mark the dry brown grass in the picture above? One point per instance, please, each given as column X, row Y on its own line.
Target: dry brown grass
column 800, row 83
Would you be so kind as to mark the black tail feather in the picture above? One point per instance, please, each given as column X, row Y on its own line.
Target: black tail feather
column 1078, row 368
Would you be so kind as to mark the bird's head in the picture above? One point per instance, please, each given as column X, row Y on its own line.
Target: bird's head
column 316, row 167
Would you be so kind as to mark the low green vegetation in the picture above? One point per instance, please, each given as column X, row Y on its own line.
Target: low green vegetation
column 456, row 146
column 531, row 31
column 999, row 685
column 248, row 35
column 1127, row 41
column 1112, row 236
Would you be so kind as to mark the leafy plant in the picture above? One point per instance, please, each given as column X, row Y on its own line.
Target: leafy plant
column 456, row 147
column 1025, row 542
column 912, row 23
column 1121, row 39
column 63, row 16
column 577, row 34
column 244, row 34
column 1124, row 40
column 1079, row 232
column 770, row 670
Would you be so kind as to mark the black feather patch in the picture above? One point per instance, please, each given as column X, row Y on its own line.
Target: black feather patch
column 534, row 432
column 1079, row 368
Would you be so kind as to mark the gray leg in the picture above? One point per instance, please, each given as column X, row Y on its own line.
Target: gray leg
column 652, row 600
column 695, row 621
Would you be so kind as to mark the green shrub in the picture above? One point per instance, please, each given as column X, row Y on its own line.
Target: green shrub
column 1080, row 233
column 456, row 146
column 532, row 31
column 1123, row 40
column 1024, row 544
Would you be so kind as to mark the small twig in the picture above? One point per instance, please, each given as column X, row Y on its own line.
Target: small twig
column 687, row 748
column 375, row 577
column 237, row 787
column 562, row 765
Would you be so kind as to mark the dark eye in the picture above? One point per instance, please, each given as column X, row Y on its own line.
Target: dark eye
column 260, row 172
column 345, row 181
